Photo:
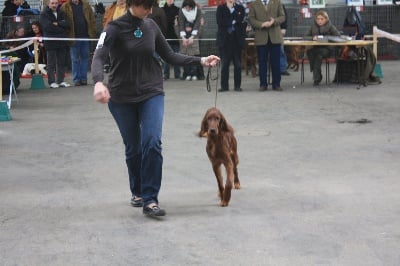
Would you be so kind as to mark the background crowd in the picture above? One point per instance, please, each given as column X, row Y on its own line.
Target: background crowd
column 182, row 26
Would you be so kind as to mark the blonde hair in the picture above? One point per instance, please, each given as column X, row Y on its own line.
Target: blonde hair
column 322, row 13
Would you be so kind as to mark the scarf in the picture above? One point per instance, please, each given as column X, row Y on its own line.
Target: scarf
column 190, row 15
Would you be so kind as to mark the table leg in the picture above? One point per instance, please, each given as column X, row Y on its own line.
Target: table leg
column 12, row 85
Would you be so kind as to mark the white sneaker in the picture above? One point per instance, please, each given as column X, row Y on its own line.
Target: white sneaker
column 188, row 78
column 54, row 85
column 65, row 84
column 194, row 78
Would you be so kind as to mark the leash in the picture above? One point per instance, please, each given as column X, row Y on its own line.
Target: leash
column 215, row 78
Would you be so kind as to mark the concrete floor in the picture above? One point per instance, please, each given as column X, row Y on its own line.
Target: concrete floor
column 318, row 188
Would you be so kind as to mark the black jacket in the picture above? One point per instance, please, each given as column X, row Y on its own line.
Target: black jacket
column 284, row 24
column 136, row 74
column 158, row 15
column 224, row 21
column 171, row 12
column 47, row 19
column 10, row 9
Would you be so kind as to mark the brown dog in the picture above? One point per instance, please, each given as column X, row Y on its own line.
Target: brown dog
column 221, row 149
column 293, row 55
column 249, row 59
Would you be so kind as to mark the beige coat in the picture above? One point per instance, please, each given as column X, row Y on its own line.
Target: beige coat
column 259, row 14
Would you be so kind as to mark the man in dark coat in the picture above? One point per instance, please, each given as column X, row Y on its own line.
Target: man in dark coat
column 230, row 41
column 172, row 13
column 158, row 15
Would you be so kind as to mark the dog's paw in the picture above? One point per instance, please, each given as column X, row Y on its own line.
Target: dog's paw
column 219, row 195
column 224, row 203
column 237, row 185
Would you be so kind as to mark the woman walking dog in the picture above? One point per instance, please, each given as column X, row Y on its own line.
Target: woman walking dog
column 135, row 95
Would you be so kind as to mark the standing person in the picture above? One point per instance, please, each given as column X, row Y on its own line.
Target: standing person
column 9, row 10
column 135, row 95
column 189, row 24
column 158, row 15
column 114, row 11
column 230, row 41
column 283, row 58
column 55, row 25
column 117, row 9
column 172, row 12
column 266, row 18
column 83, row 25
column 321, row 26
column 25, row 5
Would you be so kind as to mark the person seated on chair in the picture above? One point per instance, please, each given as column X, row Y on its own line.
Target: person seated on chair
column 321, row 26
column 6, row 74
column 23, row 54
column 36, row 31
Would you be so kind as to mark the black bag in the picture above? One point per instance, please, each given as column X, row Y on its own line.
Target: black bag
column 353, row 19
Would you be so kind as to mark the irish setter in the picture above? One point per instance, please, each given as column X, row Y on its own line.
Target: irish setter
column 293, row 55
column 221, row 150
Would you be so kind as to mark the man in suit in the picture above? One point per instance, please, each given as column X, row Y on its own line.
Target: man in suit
column 230, row 41
column 266, row 18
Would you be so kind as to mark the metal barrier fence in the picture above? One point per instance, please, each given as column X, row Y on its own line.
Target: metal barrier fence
column 386, row 18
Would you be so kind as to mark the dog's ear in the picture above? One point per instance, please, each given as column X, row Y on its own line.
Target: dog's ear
column 203, row 127
column 223, row 125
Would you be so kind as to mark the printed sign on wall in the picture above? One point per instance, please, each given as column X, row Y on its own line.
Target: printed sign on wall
column 317, row 3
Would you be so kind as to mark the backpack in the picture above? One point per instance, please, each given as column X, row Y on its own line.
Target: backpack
column 353, row 19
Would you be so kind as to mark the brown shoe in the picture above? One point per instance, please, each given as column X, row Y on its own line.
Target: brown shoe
column 277, row 89
column 263, row 88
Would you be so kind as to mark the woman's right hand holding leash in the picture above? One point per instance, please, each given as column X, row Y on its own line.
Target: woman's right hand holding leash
column 210, row 61
column 101, row 93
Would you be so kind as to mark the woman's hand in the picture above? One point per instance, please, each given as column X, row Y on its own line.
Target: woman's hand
column 101, row 93
column 185, row 42
column 211, row 60
column 190, row 40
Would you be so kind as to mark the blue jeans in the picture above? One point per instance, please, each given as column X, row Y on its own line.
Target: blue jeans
column 272, row 52
column 283, row 60
column 177, row 69
column 80, row 60
column 140, row 125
